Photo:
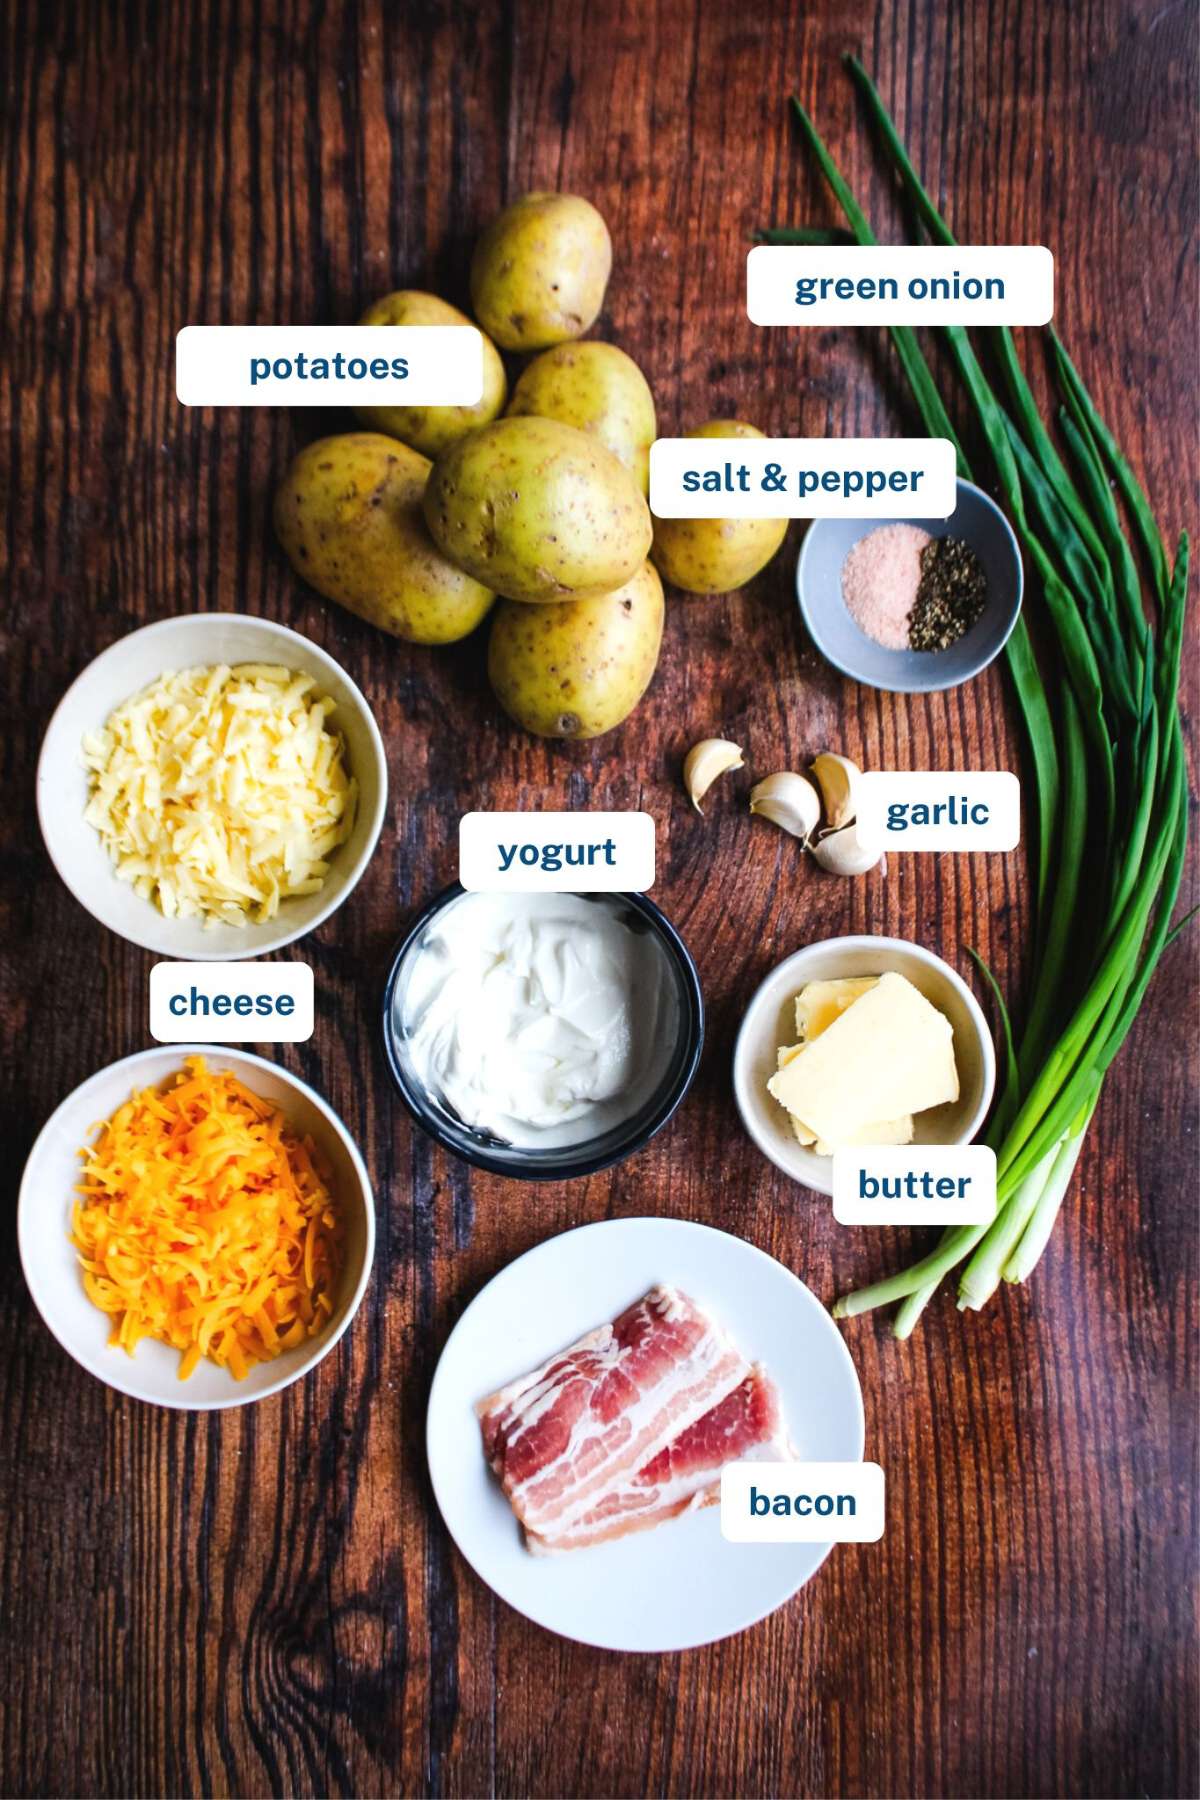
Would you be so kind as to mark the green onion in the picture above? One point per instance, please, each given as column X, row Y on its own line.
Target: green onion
column 981, row 1277
column 1035, row 1235
column 1101, row 717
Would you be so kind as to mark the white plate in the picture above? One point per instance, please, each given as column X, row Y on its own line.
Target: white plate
column 682, row 1584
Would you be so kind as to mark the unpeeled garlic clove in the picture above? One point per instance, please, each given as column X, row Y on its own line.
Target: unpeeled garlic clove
column 843, row 853
column 837, row 778
column 789, row 801
column 704, row 762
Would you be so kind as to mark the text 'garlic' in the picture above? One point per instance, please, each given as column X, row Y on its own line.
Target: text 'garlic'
column 789, row 801
column 704, row 762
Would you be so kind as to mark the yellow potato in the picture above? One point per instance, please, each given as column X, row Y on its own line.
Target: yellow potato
column 538, row 511
column 430, row 429
column 715, row 556
column 576, row 670
column 348, row 514
column 540, row 270
column 598, row 389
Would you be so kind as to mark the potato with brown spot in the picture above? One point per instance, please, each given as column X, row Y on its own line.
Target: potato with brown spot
column 540, row 270
column 348, row 514
column 598, row 389
column 576, row 670
column 715, row 556
column 430, row 429
column 538, row 511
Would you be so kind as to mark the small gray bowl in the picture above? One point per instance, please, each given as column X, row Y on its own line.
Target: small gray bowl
column 979, row 522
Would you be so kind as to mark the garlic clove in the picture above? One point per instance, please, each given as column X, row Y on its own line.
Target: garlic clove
column 704, row 762
column 789, row 801
column 842, row 853
column 837, row 778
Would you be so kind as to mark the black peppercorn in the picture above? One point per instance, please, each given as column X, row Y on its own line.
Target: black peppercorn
column 951, row 596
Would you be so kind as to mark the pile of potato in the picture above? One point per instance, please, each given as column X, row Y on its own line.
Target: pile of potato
column 421, row 523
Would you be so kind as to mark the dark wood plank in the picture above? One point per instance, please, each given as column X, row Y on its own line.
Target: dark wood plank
column 267, row 1601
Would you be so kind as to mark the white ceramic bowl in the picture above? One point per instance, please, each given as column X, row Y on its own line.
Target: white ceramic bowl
column 770, row 1022
column 827, row 543
column 121, row 671
column 51, row 1264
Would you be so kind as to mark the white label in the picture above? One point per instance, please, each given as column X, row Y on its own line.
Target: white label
column 231, row 1003
column 919, row 1184
column 329, row 365
column 802, row 1503
column 883, row 284
column 556, row 852
column 802, row 478
column 924, row 809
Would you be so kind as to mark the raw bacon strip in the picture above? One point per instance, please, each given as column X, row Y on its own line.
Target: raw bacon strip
column 562, row 1436
column 747, row 1426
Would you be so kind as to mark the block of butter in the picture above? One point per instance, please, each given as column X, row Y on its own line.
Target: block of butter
column 886, row 1131
column 889, row 1053
column 784, row 1056
column 821, row 1002
column 817, row 1006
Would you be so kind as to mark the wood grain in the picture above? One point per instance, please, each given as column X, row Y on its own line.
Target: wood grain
column 266, row 1601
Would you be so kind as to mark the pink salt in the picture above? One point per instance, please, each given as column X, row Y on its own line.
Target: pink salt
column 880, row 578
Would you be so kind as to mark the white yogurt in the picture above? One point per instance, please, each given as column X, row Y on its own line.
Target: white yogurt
column 539, row 1018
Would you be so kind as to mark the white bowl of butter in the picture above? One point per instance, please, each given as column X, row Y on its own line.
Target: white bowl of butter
column 205, row 641
column 865, row 1054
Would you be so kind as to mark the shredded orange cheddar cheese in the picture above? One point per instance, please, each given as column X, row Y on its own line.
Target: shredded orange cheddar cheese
column 205, row 1221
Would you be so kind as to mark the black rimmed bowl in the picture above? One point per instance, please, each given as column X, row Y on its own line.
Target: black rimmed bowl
column 568, row 1161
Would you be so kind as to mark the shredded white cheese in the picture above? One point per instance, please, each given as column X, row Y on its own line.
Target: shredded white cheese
column 219, row 792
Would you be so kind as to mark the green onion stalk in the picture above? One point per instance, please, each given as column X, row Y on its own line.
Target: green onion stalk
column 1100, row 712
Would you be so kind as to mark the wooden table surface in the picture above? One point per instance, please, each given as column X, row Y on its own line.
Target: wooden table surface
column 266, row 1601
